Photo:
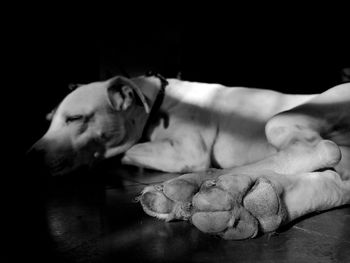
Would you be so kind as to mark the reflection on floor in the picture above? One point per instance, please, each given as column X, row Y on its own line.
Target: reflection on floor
column 99, row 223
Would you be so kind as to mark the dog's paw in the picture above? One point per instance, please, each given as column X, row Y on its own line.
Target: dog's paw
column 231, row 206
column 171, row 200
column 237, row 207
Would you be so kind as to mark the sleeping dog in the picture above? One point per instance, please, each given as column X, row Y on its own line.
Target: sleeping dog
column 276, row 156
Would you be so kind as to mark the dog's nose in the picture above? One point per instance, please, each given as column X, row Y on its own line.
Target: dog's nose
column 35, row 154
column 35, row 157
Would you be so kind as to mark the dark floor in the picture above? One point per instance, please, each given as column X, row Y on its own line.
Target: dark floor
column 106, row 224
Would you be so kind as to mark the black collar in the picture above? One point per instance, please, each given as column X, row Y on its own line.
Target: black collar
column 157, row 103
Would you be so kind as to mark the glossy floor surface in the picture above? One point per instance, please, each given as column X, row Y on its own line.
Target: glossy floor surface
column 103, row 223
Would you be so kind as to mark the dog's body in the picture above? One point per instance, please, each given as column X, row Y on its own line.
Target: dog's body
column 206, row 125
column 278, row 138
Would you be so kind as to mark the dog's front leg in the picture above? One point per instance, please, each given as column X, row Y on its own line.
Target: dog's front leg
column 239, row 202
column 169, row 155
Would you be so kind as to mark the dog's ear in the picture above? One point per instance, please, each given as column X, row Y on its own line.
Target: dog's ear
column 49, row 116
column 122, row 93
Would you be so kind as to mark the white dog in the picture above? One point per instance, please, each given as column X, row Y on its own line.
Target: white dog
column 281, row 155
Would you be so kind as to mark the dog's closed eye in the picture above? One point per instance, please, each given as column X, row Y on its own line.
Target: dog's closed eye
column 74, row 118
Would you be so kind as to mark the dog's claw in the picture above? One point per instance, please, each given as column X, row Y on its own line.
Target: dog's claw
column 158, row 187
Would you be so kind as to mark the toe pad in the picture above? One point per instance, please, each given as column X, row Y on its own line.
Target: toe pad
column 263, row 203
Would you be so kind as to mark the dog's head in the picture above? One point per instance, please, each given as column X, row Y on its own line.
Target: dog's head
column 94, row 122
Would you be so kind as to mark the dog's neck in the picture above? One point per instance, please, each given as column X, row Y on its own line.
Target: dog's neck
column 153, row 88
column 149, row 86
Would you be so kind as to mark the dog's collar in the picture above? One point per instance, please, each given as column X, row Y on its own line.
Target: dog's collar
column 158, row 101
column 163, row 81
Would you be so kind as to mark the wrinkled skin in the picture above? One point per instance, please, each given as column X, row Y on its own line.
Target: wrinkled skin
column 94, row 122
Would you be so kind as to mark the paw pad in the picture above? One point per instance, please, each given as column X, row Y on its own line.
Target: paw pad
column 232, row 206
column 264, row 204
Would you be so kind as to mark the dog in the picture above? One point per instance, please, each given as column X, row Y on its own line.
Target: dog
column 252, row 160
